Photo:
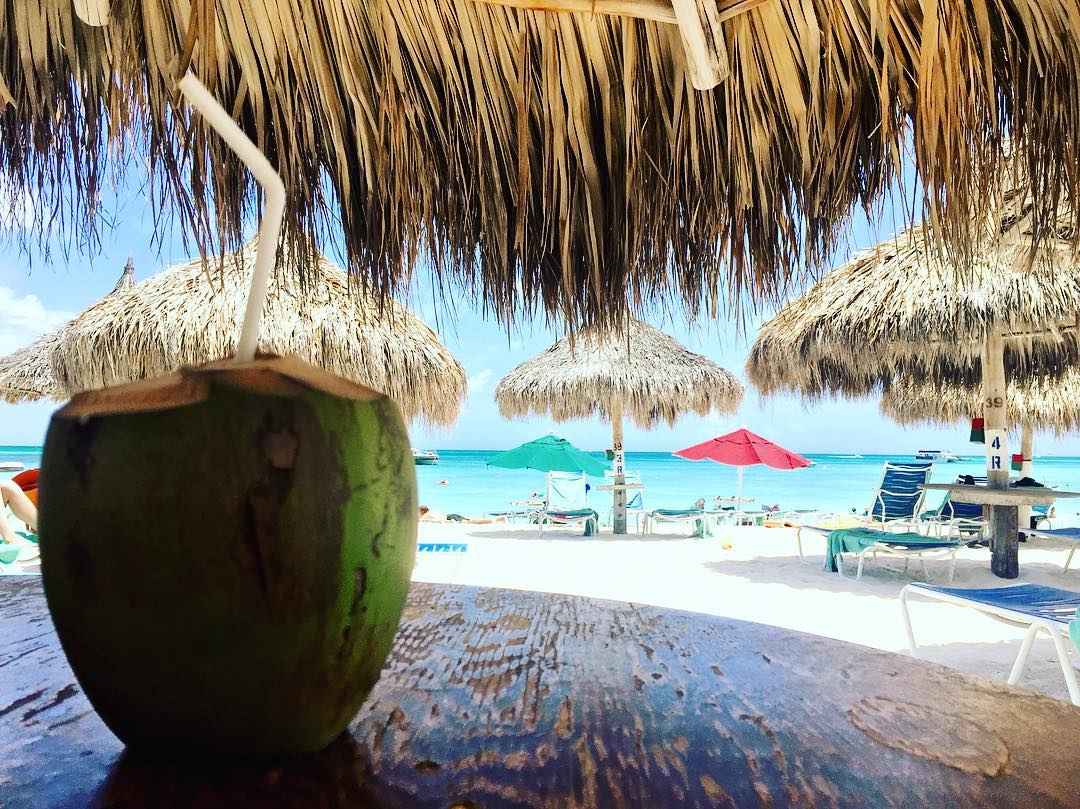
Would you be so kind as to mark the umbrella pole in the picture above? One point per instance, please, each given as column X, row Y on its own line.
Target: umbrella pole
column 1004, row 559
column 618, row 492
column 738, row 496
column 1027, row 448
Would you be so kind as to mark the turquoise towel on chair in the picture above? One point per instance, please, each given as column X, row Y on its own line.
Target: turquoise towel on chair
column 1074, row 630
column 701, row 529
column 9, row 553
column 853, row 540
column 590, row 524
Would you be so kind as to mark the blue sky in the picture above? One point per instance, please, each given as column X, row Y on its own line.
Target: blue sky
column 39, row 294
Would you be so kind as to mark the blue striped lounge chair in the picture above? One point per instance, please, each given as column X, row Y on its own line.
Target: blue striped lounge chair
column 1036, row 607
column 896, row 504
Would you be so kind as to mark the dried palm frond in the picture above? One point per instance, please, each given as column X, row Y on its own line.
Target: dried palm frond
column 541, row 159
column 1044, row 402
column 638, row 372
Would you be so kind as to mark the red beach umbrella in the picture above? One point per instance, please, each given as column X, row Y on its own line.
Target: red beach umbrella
column 743, row 448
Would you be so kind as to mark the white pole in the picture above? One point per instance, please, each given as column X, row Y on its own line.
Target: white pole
column 738, row 497
column 273, row 211
column 1027, row 448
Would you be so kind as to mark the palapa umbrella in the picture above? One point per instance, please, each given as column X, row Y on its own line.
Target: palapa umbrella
column 549, row 454
column 27, row 375
column 743, row 448
column 636, row 371
column 191, row 314
column 904, row 310
column 549, row 157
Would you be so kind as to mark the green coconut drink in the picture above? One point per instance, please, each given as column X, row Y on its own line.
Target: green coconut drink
column 226, row 553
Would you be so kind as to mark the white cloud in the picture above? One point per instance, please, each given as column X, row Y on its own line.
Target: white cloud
column 479, row 381
column 25, row 318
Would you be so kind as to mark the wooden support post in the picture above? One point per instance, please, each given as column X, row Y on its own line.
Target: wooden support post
column 618, row 466
column 703, row 41
column 1003, row 542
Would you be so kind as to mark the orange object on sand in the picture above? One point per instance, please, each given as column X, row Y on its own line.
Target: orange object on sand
column 28, row 482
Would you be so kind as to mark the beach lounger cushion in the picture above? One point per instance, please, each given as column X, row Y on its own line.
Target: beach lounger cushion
column 1071, row 535
column 1050, row 610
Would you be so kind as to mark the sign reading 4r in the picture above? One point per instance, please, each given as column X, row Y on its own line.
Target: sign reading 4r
column 997, row 451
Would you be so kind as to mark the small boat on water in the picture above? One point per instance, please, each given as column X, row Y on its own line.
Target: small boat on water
column 936, row 455
column 11, row 466
column 424, row 457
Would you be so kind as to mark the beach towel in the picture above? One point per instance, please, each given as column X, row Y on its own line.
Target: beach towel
column 853, row 540
column 590, row 524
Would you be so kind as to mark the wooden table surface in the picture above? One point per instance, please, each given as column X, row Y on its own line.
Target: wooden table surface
column 502, row 698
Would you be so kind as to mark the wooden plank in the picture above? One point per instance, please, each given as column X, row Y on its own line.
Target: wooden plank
column 517, row 699
column 700, row 26
column 658, row 10
column 983, row 496
column 703, row 41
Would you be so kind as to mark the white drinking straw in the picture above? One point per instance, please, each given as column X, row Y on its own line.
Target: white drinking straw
column 274, row 210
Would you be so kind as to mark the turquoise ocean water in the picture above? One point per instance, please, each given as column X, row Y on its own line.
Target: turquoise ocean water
column 463, row 483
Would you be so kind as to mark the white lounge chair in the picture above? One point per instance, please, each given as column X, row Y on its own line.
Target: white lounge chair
column 696, row 516
column 567, row 503
column 895, row 506
column 1069, row 535
column 1035, row 606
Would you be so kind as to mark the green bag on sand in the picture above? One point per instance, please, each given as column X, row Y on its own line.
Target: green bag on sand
column 701, row 529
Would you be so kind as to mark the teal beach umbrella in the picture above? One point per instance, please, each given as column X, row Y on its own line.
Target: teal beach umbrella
column 549, row 454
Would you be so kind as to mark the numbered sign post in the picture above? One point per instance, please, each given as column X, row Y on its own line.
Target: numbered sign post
column 1004, row 553
column 618, row 469
column 997, row 452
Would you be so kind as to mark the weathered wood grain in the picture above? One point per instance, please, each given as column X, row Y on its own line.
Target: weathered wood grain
column 497, row 698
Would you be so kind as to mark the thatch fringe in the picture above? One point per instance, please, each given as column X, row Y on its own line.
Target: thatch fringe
column 1046, row 403
column 554, row 159
column 27, row 375
column 904, row 310
column 186, row 315
column 640, row 372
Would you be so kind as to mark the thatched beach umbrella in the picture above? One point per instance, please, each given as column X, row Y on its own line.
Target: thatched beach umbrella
column 191, row 314
column 563, row 159
column 27, row 375
column 904, row 310
column 638, row 372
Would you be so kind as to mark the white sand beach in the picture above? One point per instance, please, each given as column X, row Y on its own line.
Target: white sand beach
column 760, row 578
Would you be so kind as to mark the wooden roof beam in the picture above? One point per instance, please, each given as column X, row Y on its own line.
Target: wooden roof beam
column 699, row 24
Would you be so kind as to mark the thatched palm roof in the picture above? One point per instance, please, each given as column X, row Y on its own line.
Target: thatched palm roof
column 186, row 315
column 639, row 372
column 1046, row 403
column 903, row 309
column 27, row 375
column 561, row 159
